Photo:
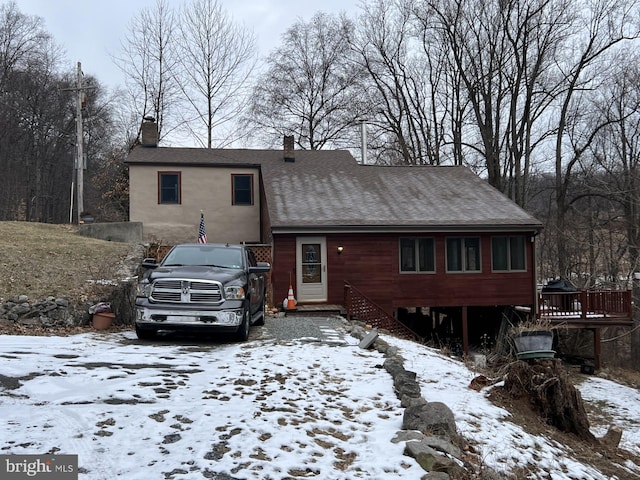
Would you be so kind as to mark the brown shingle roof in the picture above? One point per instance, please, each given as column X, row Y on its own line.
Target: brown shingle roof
column 224, row 156
column 329, row 190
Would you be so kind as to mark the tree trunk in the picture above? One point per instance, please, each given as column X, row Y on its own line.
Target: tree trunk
column 551, row 393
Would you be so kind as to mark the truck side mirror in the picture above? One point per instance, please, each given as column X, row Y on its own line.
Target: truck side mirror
column 149, row 263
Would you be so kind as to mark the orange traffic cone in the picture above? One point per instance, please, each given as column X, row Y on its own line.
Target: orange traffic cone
column 291, row 301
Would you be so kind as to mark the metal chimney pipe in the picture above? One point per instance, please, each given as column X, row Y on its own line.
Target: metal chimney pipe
column 363, row 142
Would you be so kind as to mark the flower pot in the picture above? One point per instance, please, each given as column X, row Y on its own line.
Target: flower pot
column 103, row 320
column 534, row 344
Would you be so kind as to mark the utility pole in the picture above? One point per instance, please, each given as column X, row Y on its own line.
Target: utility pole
column 79, row 144
column 79, row 90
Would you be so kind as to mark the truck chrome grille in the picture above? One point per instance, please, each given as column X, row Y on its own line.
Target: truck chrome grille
column 186, row 291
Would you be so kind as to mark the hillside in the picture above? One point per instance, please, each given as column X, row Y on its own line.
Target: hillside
column 41, row 260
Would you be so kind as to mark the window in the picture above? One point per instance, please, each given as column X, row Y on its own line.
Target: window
column 508, row 253
column 242, row 189
column 463, row 254
column 417, row 255
column 169, row 190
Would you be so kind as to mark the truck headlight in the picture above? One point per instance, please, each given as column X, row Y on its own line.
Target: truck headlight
column 234, row 293
column 143, row 290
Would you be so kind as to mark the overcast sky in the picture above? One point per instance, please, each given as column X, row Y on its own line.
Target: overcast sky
column 90, row 31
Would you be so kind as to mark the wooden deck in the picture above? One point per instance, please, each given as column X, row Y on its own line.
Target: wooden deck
column 587, row 308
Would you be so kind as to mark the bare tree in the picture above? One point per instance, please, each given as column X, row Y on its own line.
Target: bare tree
column 217, row 58
column 21, row 39
column 502, row 52
column 35, row 150
column 149, row 62
column 407, row 76
column 615, row 155
column 310, row 89
column 583, row 64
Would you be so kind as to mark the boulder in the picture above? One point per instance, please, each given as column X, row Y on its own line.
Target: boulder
column 430, row 418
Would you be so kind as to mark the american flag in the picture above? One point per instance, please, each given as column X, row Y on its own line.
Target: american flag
column 202, row 234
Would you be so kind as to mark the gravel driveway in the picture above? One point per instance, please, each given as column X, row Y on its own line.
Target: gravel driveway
column 323, row 329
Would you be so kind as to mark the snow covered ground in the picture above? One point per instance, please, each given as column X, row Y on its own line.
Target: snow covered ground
column 257, row 410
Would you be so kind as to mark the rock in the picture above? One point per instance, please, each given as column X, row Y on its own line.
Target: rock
column 433, row 462
column 403, row 376
column 407, row 435
column 407, row 401
column 381, row 346
column 392, row 351
column 430, row 418
column 436, row 476
column 414, row 448
column 393, row 365
column 358, row 332
column 443, row 444
column 368, row 340
column 21, row 309
column 613, row 436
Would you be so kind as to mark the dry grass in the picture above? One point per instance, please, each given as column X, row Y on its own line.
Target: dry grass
column 41, row 260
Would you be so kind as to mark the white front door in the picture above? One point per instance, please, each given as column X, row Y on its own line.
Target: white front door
column 311, row 263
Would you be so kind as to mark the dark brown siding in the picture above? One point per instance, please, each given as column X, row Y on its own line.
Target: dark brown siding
column 371, row 264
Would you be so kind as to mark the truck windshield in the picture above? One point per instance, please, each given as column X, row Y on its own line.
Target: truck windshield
column 222, row 257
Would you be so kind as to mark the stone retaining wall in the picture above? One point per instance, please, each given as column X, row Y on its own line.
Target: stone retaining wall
column 61, row 312
column 49, row 312
column 429, row 429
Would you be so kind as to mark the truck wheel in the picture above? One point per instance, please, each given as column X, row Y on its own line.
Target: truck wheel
column 243, row 329
column 145, row 334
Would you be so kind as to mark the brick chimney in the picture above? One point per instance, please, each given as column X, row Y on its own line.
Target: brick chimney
column 289, row 155
column 149, row 132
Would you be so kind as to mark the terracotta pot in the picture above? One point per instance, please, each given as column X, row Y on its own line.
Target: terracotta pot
column 103, row 320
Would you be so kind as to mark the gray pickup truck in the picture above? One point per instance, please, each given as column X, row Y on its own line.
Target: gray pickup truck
column 202, row 288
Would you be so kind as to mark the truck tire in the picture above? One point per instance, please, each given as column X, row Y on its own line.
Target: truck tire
column 243, row 329
column 145, row 334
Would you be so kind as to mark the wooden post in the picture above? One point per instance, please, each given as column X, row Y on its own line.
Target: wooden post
column 583, row 304
column 465, row 331
column 597, row 348
column 79, row 144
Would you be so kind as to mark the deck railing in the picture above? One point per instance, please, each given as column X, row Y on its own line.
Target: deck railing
column 359, row 307
column 587, row 306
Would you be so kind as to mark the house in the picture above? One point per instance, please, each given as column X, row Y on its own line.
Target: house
column 435, row 247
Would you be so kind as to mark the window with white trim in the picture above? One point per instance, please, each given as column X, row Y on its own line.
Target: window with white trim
column 417, row 255
column 508, row 253
column 463, row 254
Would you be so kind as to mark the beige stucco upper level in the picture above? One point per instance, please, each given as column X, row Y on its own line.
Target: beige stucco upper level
column 203, row 188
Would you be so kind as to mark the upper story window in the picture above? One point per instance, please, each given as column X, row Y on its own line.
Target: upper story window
column 169, row 187
column 508, row 253
column 463, row 254
column 242, row 189
column 417, row 255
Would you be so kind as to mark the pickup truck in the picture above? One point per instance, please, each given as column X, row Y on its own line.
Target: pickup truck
column 201, row 288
